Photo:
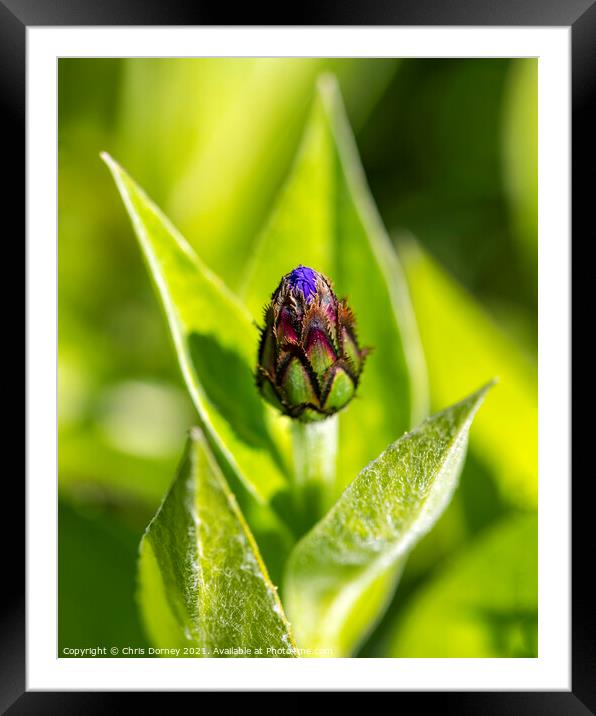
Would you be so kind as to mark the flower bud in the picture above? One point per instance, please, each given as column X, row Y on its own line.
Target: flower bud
column 309, row 359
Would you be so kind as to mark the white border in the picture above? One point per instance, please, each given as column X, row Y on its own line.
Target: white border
column 552, row 669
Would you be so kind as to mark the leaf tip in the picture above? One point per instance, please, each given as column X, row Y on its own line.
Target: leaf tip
column 326, row 83
column 107, row 159
column 408, row 248
column 328, row 91
column 112, row 165
column 479, row 395
column 495, row 380
column 116, row 170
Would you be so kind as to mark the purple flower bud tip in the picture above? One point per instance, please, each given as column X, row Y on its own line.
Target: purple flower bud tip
column 304, row 279
column 309, row 360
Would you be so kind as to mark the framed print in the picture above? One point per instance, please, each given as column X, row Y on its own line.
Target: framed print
column 298, row 353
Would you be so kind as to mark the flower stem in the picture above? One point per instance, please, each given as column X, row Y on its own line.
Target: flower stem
column 315, row 453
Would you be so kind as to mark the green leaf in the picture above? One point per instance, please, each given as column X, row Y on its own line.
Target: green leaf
column 342, row 572
column 483, row 603
column 215, row 342
column 326, row 218
column 203, row 583
column 463, row 345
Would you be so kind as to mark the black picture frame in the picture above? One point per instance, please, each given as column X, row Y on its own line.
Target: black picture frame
column 580, row 15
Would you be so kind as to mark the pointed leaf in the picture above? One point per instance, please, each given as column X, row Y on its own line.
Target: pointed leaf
column 203, row 583
column 342, row 572
column 215, row 341
column 326, row 218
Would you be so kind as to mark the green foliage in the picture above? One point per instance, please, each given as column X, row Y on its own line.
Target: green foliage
column 326, row 218
column 448, row 148
column 355, row 573
column 341, row 573
column 199, row 117
column 203, row 584
column 214, row 340
column 462, row 346
column 483, row 602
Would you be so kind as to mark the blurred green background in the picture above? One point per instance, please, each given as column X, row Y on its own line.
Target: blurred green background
column 450, row 151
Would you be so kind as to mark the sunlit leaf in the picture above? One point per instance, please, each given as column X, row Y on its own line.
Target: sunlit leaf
column 326, row 218
column 203, row 583
column 462, row 346
column 215, row 343
column 342, row 572
column 483, row 603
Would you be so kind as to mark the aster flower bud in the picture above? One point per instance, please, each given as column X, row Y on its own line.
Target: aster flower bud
column 309, row 359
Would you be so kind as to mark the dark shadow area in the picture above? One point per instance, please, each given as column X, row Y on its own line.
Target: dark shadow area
column 284, row 505
column 97, row 567
column 479, row 494
column 230, row 387
column 441, row 123
column 513, row 632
